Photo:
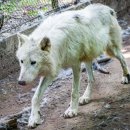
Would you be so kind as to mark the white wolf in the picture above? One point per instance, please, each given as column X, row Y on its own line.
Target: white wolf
column 65, row 40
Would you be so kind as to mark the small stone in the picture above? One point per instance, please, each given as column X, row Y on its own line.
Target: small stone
column 3, row 127
column 103, row 124
column 121, row 106
column 33, row 89
column 4, row 91
column 83, row 69
column 116, row 119
column 107, row 106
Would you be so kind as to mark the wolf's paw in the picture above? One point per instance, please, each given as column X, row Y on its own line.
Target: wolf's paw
column 83, row 100
column 69, row 113
column 34, row 120
column 126, row 79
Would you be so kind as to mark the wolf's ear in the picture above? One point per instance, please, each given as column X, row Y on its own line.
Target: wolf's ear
column 21, row 39
column 45, row 44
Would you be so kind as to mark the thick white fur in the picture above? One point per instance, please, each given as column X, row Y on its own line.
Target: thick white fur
column 75, row 37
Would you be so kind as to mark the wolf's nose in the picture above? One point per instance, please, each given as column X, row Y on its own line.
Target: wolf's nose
column 22, row 83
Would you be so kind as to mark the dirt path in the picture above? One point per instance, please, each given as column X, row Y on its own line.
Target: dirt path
column 108, row 110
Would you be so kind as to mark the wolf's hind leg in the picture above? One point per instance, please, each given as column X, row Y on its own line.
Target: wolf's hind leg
column 88, row 92
column 73, row 108
column 115, row 52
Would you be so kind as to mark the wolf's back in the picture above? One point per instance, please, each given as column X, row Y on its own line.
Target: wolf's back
column 102, row 12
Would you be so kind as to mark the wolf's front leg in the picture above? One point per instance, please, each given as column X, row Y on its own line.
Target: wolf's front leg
column 34, row 118
column 73, row 108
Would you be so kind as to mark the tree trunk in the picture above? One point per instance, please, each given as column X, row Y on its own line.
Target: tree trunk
column 54, row 4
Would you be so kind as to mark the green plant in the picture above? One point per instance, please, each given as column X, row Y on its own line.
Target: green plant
column 9, row 7
column 29, row 7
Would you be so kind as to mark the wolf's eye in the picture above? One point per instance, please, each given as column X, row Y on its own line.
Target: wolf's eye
column 33, row 62
column 21, row 61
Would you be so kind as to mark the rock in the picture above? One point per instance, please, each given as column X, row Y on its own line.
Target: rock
column 10, row 122
column 107, row 106
column 103, row 124
column 3, row 91
column 116, row 119
column 3, row 127
column 44, row 102
column 126, row 33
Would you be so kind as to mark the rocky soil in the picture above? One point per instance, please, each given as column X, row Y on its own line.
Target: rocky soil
column 108, row 110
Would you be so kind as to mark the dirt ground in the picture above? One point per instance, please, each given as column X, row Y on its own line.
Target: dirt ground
column 108, row 110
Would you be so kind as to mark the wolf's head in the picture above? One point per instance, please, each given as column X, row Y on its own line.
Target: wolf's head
column 34, row 58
